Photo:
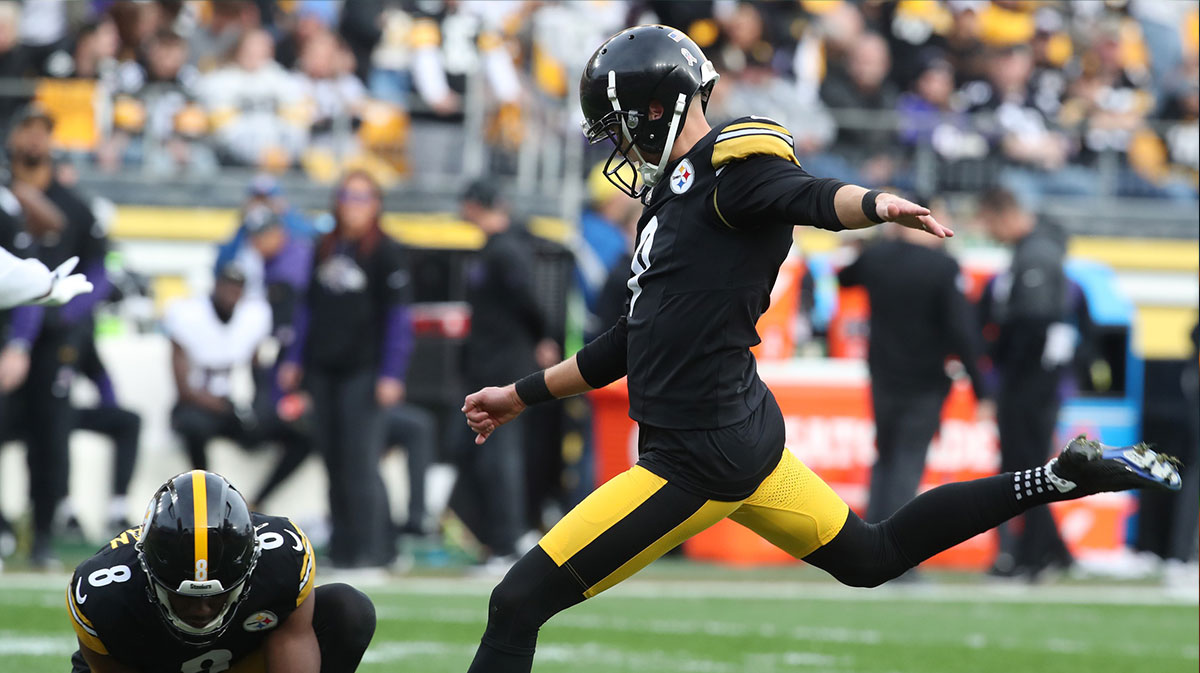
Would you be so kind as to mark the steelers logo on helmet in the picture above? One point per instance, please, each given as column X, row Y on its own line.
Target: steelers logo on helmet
column 683, row 177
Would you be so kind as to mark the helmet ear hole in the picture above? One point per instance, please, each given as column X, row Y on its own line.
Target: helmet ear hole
column 656, row 110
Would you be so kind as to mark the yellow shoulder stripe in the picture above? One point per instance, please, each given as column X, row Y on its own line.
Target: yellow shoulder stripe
column 755, row 125
column 754, row 144
column 83, row 627
column 307, row 566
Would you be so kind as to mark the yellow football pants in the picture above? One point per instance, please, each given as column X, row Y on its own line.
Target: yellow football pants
column 632, row 520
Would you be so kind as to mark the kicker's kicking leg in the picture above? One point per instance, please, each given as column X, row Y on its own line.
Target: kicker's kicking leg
column 868, row 555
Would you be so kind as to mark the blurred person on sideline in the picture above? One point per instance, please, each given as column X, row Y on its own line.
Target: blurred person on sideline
column 264, row 190
column 919, row 317
column 26, row 215
column 42, row 353
column 603, row 241
column 1181, row 550
column 121, row 425
column 277, row 265
column 413, row 429
column 509, row 335
column 210, row 337
column 353, row 342
column 1035, row 325
column 281, row 265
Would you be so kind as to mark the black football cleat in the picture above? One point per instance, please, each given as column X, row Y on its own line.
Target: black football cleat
column 1093, row 467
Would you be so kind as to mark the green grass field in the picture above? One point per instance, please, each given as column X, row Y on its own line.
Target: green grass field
column 682, row 618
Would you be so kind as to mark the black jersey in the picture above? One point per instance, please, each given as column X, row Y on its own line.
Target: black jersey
column 110, row 604
column 709, row 246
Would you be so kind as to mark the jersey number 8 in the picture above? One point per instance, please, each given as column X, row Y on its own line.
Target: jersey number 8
column 106, row 576
column 209, row 662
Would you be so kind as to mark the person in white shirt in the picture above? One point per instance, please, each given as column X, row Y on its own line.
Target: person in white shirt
column 211, row 337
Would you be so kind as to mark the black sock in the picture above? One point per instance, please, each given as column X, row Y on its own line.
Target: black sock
column 947, row 515
column 1036, row 486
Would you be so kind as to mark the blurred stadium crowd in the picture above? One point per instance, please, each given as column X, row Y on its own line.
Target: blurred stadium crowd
column 1053, row 97
column 364, row 99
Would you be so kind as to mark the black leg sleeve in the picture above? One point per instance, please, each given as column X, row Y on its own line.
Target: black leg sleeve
column 531, row 593
column 867, row 555
column 344, row 621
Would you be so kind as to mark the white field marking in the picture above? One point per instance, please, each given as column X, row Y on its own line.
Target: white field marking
column 604, row 654
column 14, row 643
column 740, row 630
column 389, row 651
column 672, row 627
column 37, row 598
column 397, row 650
column 654, row 589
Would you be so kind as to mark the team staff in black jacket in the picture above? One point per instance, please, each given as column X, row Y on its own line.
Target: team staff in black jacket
column 41, row 356
column 919, row 316
column 508, row 337
column 353, row 340
column 1036, row 326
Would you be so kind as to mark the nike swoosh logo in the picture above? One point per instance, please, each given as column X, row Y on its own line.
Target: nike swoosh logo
column 261, row 526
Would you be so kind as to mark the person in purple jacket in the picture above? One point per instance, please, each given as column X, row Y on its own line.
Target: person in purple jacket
column 353, row 339
column 40, row 357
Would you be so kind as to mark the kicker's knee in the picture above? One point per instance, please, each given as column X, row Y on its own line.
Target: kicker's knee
column 530, row 594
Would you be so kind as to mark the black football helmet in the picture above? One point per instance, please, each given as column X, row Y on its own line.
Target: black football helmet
column 197, row 541
column 633, row 68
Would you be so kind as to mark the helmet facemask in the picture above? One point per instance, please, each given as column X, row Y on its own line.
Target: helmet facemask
column 627, row 167
column 160, row 594
column 190, row 556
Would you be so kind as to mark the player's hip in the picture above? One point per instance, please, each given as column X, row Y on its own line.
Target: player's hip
column 725, row 463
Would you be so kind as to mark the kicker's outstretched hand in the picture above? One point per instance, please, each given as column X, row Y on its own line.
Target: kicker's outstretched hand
column 490, row 408
column 892, row 208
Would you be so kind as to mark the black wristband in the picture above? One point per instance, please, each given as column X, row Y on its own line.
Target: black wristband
column 868, row 206
column 532, row 389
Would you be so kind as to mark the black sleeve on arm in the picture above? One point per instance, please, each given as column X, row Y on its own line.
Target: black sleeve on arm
column 766, row 189
column 602, row 360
